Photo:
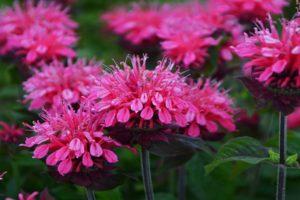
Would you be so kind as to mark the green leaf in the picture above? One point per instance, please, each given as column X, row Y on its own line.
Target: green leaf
column 291, row 160
column 245, row 149
column 273, row 156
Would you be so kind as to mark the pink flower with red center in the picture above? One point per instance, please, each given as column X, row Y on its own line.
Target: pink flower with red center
column 294, row 119
column 274, row 57
column 250, row 9
column 137, row 24
column 141, row 98
column 72, row 141
column 186, row 39
column 10, row 133
column 56, row 83
column 43, row 30
column 211, row 109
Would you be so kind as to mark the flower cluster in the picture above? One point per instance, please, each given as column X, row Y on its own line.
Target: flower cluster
column 137, row 25
column 72, row 141
column 210, row 108
column 273, row 57
column 40, row 32
column 141, row 98
column 250, row 9
column 10, row 133
column 56, row 83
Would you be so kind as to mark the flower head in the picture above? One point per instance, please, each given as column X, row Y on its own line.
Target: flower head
column 294, row 119
column 137, row 25
column 211, row 109
column 273, row 57
column 40, row 32
column 56, row 83
column 141, row 98
column 71, row 141
column 249, row 9
column 10, row 133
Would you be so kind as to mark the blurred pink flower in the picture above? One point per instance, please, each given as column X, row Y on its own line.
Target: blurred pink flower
column 274, row 57
column 2, row 175
column 294, row 119
column 56, row 83
column 141, row 98
column 39, row 32
column 211, row 109
column 10, row 133
column 249, row 9
column 71, row 141
column 137, row 24
column 25, row 196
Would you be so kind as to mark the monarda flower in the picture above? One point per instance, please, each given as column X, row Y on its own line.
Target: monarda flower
column 136, row 97
column 10, row 134
column 29, row 28
column 294, row 119
column 211, row 110
column 72, row 141
column 186, row 39
column 273, row 57
column 57, row 83
column 137, row 25
column 250, row 9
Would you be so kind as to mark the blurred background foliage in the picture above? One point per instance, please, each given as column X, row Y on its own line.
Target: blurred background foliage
column 231, row 181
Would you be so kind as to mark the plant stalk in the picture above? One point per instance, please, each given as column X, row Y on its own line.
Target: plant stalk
column 281, row 177
column 181, row 182
column 90, row 194
column 146, row 174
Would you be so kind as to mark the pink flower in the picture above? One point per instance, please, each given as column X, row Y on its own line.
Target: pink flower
column 25, row 196
column 10, row 133
column 141, row 98
column 186, row 39
column 250, row 9
column 56, row 83
column 2, row 175
column 40, row 32
column 294, row 119
column 274, row 57
column 211, row 110
column 71, row 141
column 137, row 24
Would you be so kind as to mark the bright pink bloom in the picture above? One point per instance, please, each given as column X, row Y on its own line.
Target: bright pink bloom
column 71, row 140
column 40, row 32
column 10, row 133
column 294, row 119
column 56, row 83
column 274, row 58
column 141, row 98
column 186, row 39
column 211, row 109
column 250, row 9
column 137, row 24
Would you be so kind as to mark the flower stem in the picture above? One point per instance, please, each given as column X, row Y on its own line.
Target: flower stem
column 281, row 177
column 146, row 174
column 181, row 182
column 90, row 194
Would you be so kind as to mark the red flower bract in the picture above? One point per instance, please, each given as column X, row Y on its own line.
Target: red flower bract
column 39, row 32
column 56, row 83
column 274, row 57
column 210, row 109
column 142, row 98
column 71, row 140
column 10, row 133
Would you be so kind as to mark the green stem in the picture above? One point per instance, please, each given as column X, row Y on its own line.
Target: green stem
column 146, row 174
column 281, row 177
column 90, row 194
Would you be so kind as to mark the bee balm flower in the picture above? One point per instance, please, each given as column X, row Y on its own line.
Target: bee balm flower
column 211, row 110
column 71, row 141
column 10, row 133
column 56, row 83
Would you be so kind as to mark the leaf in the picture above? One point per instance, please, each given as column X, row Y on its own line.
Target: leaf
column 273, row 156
column 292, row 160
column 245, row 149
column 176, row 145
